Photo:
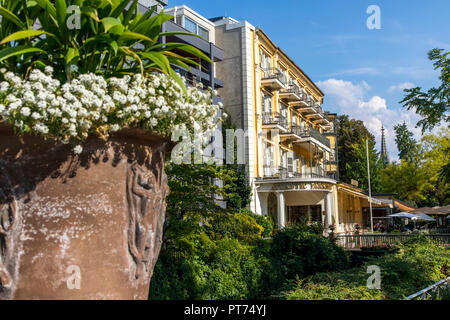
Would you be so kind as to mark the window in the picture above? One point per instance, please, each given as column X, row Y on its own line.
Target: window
column 194, row 28
column 266, row 103
column 268, row 159
column 190, row 25
column 202, row 32
column 265, row 62
column 294, row 118
column 284, row 110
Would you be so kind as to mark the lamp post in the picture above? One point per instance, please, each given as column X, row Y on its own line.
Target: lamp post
column 370, row 188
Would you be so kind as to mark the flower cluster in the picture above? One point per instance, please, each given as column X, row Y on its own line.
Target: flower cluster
column 89, row 103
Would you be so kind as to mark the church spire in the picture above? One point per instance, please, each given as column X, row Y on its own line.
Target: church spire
column 384, row 153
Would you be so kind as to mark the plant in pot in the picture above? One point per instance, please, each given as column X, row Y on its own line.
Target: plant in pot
column 86, row 111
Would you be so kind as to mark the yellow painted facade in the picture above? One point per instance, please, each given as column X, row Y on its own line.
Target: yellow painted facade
column 311, row 157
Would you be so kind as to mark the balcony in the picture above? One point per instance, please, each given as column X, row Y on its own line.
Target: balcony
column 273, row 79
column 275, row 173
column 307, row 133
column 293, row 94
column 274, row 120
column 282, row 173
column 293, row 135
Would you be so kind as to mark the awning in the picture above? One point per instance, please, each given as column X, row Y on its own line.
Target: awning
column 366, row 197
column 442, row 211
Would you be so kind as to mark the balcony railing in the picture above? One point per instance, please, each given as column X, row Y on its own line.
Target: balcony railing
column 274, row 119
column 311, row 133
column 384, row 240
column 274, row 78
column 292, row 94
column 283, row 173
column 271, row 172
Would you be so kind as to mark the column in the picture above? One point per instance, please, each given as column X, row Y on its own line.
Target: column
column 281, row 211
column 328, row 210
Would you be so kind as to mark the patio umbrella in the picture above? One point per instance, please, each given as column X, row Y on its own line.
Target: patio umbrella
column 424, row 217
column 404, row 215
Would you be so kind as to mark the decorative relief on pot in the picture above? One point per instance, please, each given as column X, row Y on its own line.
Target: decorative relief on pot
column 146, row 200
column 9, row 225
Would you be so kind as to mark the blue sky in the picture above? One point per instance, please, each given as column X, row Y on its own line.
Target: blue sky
column 362, row 72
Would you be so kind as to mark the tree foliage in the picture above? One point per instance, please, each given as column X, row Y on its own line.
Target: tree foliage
column 357, row 167
column 434, row 105
column 406, row 144
column 421, row 182
column 352, row 135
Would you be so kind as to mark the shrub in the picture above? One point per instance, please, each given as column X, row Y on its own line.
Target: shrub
column 298, row 252
column 240, row 226
column 264, row 222
column 408, row 269
column 222, row 269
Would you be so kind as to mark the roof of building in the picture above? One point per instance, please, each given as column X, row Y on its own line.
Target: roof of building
column 311, row 83
column 403, row 206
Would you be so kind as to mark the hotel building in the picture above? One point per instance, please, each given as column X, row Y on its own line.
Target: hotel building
column 291, row 141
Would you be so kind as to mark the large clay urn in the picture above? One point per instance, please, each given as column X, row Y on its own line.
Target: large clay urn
column 85, row 226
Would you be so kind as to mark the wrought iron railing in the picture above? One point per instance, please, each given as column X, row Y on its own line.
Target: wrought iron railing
column 283, row 173
column 313, row 133
column 293, row 89
column 274, row 118
column 271, row 172
column 274, row 73
column 384, row 240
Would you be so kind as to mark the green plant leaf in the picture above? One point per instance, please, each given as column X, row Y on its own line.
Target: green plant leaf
column 48, row 7
column 72, row 54
column 17, row 51
column 110, row 22
column 117, row 11
column 159, row 59
column 134, row 36
column 19, row 35
column 5, row 13
column 61, row 13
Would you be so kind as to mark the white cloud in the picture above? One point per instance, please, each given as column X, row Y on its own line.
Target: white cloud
column 356, row 71
column 401, row 86
column 345, row 97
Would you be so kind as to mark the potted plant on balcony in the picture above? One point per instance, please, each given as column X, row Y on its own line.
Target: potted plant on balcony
column 88, row 100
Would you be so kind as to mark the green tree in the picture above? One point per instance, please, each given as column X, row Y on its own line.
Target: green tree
column 352, row 136
column 421, row 182
column 357, row 167
column 407, row 181
column 407, row 146
column 436, row 158
column 434, row 105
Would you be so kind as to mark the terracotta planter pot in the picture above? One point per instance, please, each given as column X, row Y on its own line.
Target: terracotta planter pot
column 80, row 227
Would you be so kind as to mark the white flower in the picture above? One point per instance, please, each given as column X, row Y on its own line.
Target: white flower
column 90, row 102
column 48, row 70
column 78, row 149
column 25, row 111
